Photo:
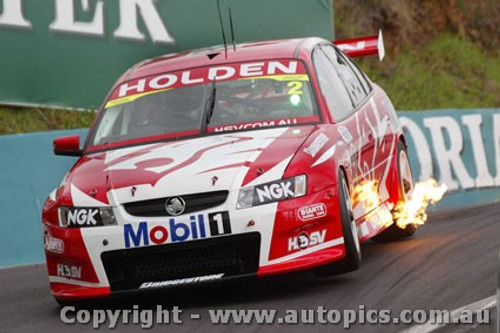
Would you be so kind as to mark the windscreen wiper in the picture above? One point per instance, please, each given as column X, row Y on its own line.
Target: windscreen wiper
column 209, row 108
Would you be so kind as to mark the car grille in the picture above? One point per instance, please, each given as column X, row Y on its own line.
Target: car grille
column 194, row 203
column 231, row 255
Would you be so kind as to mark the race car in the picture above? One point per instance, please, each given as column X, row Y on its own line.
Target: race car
column 215, row 163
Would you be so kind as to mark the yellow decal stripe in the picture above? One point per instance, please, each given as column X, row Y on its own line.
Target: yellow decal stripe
column 128, row 99
column 288, row 77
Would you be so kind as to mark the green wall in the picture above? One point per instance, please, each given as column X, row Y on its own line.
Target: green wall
column 45, row 65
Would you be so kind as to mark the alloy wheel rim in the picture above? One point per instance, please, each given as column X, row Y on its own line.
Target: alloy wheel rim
column 352, row 221
column 406, row 177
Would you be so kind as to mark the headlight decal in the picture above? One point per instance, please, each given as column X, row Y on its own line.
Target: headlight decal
column 83, row 217
column 278, row 190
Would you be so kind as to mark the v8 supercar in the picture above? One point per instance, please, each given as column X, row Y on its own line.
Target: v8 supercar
column 209, row 164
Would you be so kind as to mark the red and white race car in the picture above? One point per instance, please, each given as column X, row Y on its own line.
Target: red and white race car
column 209, row 164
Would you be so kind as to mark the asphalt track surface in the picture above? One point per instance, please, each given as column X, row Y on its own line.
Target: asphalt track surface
column 451, row 262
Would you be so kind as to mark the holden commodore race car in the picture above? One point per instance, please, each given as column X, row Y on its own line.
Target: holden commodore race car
column 207, row 165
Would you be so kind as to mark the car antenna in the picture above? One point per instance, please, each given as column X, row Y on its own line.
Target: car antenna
column 222, row 27
column 232, row 28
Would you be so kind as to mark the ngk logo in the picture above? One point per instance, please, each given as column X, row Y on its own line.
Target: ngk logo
column 274, row 192
column 304, row 240
column 69, row 271
column 83, row 217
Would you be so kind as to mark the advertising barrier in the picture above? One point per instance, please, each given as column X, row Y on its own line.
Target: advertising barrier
column 69, row 52
column 458, row 147
column 28, row 172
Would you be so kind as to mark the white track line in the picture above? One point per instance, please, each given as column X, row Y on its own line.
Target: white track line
column 484, row 304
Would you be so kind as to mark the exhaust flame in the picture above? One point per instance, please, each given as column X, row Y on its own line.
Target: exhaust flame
column 366, row 194
column 413, row 211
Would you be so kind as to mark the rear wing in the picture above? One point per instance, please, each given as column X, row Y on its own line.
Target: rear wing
column 363, row 46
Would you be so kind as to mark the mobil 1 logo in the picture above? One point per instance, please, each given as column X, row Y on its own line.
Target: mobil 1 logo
column 219, row 223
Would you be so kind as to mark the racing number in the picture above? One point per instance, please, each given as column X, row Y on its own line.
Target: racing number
column 219, row 223
column 295, row 88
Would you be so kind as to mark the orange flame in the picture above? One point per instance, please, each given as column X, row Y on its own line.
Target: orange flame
column 366, row 194
column 413, row 211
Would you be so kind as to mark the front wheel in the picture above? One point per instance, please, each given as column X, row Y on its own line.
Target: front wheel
column 352, row 260
column 405, row 186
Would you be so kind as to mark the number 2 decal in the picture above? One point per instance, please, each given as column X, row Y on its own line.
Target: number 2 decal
column 295, row 88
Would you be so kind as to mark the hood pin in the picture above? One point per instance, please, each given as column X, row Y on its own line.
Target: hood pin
column 132, row 190
column 214, row 180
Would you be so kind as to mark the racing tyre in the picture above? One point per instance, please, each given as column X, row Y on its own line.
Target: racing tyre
column 352, row 260
column 405, row 184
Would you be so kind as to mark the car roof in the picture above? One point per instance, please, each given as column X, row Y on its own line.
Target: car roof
column 271, row 49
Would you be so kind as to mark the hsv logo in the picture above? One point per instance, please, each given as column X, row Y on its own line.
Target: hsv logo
column 178, row 231
column 83, row 217
column 304, row 240
column 275, row 191
column 69, row 271
column 311, row 212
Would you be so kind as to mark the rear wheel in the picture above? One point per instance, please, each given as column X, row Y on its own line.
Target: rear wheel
column 405, row 184
column 352, row 260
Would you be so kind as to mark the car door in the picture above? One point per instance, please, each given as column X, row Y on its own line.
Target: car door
column 342, row 110
column 371, row 126
column 376, row 114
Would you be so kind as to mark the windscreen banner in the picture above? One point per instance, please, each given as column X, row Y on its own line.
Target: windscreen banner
column 68, row 53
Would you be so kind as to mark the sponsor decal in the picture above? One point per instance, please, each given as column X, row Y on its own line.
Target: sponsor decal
column 352, row 46
column 316, row 145
column 345, row 134
column 83, row 217
column 219, row 223
column 69, row 271
column 279, row 69
column 275, row 191
column 259, row 124
column 304, row 240
column 52, row 244
column 179, row 230
column 190, row 280
column 311, row 212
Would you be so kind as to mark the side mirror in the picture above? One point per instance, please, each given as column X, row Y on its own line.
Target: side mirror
column 68, row 146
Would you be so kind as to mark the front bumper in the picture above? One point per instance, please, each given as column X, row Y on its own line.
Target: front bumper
column 96, row 262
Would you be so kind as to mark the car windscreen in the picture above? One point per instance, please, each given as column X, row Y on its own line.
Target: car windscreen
column 225, row 98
